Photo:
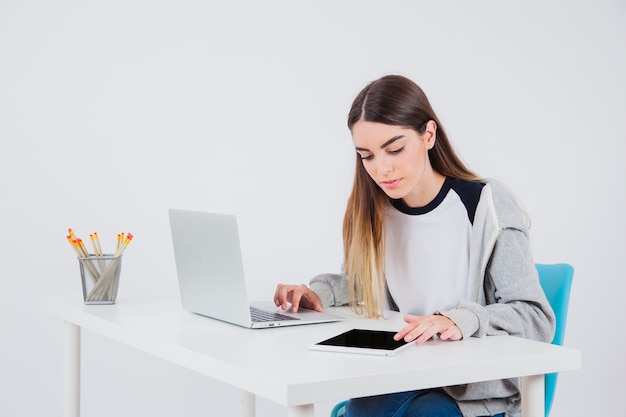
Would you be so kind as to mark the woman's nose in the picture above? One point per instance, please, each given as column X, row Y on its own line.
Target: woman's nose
column 384, row 166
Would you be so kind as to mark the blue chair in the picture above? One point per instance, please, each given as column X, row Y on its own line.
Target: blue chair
column 556, row 281
column 339, row 409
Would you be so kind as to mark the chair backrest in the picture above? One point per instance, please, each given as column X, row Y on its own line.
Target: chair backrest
column 556, row 281
column 339, row 409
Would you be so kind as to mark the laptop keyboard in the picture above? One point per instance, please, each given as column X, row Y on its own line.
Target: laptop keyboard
column 260, row 315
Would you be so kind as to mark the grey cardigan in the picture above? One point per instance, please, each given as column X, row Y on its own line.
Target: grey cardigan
column 504, row 296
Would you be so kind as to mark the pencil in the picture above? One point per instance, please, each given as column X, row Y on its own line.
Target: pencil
column 93, row 244
column 97, row 250
column 99, row 247
column 106, row 288
column 82, row 253
column 69, row 239
column 83, row 249
column 120, row 239
column 120, row 250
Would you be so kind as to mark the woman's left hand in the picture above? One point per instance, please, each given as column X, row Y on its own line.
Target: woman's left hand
column 422, row 328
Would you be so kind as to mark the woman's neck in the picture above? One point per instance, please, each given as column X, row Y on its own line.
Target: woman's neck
column 427, row 191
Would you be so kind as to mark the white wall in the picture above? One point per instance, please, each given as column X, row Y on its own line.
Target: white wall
column 111, row 112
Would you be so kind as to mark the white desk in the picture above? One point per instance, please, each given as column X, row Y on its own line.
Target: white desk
column 254, row 361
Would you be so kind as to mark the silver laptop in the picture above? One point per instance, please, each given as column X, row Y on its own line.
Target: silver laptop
column 211, row 278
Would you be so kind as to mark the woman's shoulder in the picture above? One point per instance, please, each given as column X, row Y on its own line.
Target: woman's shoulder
column 500, row 192
column 505, row 204
column 469, row 192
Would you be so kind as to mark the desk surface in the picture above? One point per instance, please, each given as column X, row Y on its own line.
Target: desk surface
column 275, row 364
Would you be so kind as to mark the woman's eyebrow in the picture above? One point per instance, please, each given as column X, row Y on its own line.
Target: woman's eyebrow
column 384, row 145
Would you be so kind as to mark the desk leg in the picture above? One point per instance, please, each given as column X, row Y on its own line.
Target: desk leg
column 300, row 411
column 533, row 396
column 248, row 404
column 71, row 370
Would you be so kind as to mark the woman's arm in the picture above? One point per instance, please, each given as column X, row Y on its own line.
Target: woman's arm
column 515, row 301
column 332, row 289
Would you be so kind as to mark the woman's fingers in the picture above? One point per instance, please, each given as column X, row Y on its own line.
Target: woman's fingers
column 296, row 295
column 422, row 328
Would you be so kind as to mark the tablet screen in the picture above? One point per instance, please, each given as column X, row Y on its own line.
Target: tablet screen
column 367, row 339
column 373, row 342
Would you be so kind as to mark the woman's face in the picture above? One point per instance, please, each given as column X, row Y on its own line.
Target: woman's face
column 396, row 158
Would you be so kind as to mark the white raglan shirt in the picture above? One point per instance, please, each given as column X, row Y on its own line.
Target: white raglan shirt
column 427, row 251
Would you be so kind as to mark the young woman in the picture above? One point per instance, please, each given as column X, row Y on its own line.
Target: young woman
column 427, row 237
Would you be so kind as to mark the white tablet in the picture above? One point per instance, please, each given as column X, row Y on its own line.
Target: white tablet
column 368, row 342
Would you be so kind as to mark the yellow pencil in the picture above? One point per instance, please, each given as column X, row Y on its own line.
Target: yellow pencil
column 81, row 247
column 93, row 244
column 81, row 251
column 69, row 239
column 121, row 249
column 99, row 251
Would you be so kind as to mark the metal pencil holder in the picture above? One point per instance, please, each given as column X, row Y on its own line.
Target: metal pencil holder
column 100, row 276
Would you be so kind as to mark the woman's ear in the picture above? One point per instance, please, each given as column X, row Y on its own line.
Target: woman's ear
column 430, row 134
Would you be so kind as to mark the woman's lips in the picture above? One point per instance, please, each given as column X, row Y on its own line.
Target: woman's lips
column 391, row 184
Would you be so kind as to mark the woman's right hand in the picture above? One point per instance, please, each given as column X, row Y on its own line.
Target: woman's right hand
column 297, row 295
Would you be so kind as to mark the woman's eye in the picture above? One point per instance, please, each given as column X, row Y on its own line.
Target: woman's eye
column 366, row 157
column 396, row 151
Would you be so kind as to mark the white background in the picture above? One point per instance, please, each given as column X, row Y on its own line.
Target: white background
column 113, row 111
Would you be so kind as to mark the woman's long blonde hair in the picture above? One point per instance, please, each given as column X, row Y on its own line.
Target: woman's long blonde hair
column 393, row 100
